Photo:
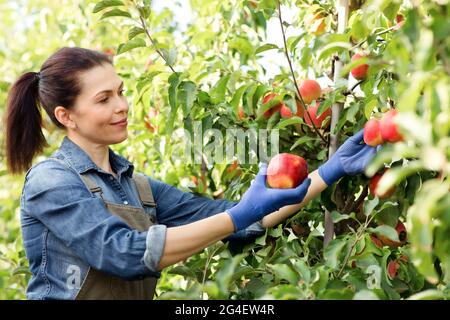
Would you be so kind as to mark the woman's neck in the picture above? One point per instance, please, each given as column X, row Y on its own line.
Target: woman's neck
column 99, row 153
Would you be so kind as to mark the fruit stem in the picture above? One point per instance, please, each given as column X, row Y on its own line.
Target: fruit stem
column 293, row 74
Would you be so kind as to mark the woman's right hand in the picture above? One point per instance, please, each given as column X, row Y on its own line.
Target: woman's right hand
column 260, row 200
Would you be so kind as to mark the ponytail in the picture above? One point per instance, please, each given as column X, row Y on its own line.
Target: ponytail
column 24, row 136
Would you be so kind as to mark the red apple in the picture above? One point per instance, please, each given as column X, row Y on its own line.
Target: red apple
column 388, row 128
column 241, row 113
column 374, row 184
column 275, row 108
column 359, row 72
column 400, row 19
column 402, row 236
column 392, row 269
column 377, row 242
column 285, row 112
column 310, row 90
column 372, row 133
column 315, row 23
column 312, row 111
column 286, row 170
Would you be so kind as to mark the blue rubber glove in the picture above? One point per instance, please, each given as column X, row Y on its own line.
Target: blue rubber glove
column 260, row 200
column 351, row 158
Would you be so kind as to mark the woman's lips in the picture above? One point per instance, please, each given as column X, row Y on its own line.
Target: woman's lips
column 123, row 122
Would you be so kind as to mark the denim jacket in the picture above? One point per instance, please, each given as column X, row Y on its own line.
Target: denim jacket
column 67, row 229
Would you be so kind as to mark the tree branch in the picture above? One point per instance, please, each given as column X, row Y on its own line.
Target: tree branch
column 293, row 74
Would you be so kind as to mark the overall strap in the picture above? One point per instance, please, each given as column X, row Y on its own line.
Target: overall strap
column 91, row 184
column 144, row 190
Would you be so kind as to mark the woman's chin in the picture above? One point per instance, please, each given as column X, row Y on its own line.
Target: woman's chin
column 120, row 138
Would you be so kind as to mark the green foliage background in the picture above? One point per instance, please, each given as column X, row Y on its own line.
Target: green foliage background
column 216, row 70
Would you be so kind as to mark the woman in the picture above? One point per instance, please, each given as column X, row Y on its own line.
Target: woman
column 94, row 228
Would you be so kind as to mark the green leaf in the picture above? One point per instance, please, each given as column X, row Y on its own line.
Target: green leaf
column 241, row 44
column 170, row 56
column 21, row 270
column 333, row 47
column 284, row 272
column 115, row 13
column 368, row 108
column 237, row 98
column 333, row 251
column 130, row 45
column 186, row 96
column 266, row 47
column 134, row 32
column 365, row 295
column 174, row 81
column 370, row 205
column 336, row 216
column 387, row 231
column 430, row 294
column 106, row 4
column 225, row 274
column 302, row 140
column 302, row 268
column 287, row 122
column 218, row 91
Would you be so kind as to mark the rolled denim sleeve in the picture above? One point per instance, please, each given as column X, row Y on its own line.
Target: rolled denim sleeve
column 56, row 196
column 156, row 238
column 175, row 208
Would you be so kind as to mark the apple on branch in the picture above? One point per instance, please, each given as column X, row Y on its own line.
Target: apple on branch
column 374, row 184
column 388, row 127
column 285, row 112
column 360, row 72
column 273, row 109
column 310, row 90
column 317, row 120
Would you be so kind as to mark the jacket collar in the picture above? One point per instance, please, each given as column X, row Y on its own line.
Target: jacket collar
column 81, row 161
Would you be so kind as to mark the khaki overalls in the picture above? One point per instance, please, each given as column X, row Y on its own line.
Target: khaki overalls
column 100, row 285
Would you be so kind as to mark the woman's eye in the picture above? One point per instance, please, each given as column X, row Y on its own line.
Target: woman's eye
column 104, row 100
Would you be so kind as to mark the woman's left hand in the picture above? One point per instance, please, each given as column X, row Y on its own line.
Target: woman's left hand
column 351, row 158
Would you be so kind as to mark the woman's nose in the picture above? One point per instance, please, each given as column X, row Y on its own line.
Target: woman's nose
column 122, row 106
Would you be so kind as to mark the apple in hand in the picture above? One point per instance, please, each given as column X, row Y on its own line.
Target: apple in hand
column 310, row 90
column 312, row 111
column 359, row 72
column 388, row 128
column 286, row 170
column 372, row 133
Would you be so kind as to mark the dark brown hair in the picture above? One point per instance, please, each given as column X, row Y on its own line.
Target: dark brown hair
column 57, row 84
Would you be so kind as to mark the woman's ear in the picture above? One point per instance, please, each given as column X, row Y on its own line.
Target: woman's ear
column 64, row 116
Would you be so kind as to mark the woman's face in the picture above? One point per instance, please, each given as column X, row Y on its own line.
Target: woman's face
column 100, row 106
